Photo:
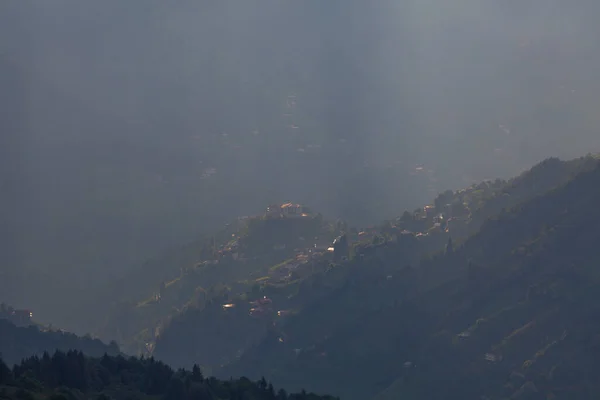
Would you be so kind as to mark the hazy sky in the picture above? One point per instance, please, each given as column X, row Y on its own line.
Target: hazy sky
column 131, row 126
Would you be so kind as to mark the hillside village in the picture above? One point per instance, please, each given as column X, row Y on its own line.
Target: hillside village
column 247, row 200
column 283, row 246
column 266, row 268
column 285, row 285
column 16, row 316
column 432, row 226
column 287, row 259
column 443, row 224
column 254, row 245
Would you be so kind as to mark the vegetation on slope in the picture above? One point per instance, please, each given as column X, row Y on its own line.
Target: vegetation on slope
column 71, row 375
column 17, row 343
column 462, row 212
column 380, row 304
column 235, row 261
column 516, row 300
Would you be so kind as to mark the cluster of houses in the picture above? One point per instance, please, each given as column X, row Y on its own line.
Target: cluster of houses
column 430, row 219
column 230, row 250
column 423, row 222
column 285, row 272
column 17, row 317
column 226, row 252
column 262, row 307
column 303, row 259
column 287, row 210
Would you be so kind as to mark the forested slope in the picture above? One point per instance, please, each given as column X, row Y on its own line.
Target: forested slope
column 17, row 343
column 71, row 375
column 509, row 311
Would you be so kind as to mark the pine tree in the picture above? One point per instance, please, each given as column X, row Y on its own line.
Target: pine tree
column 197, row 374
column 271, row 392
column 262, row 384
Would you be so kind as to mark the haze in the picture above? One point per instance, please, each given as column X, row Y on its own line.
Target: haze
column 129, row 127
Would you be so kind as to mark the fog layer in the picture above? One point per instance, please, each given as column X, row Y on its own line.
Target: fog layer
column 132, row 126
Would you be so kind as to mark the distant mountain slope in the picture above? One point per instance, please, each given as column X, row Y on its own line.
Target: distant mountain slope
column 229, row 262
column 173, row 305
column 541, row 178
column 320, row 296
column 510, row 312
column 523, row 294
column 154, row 123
